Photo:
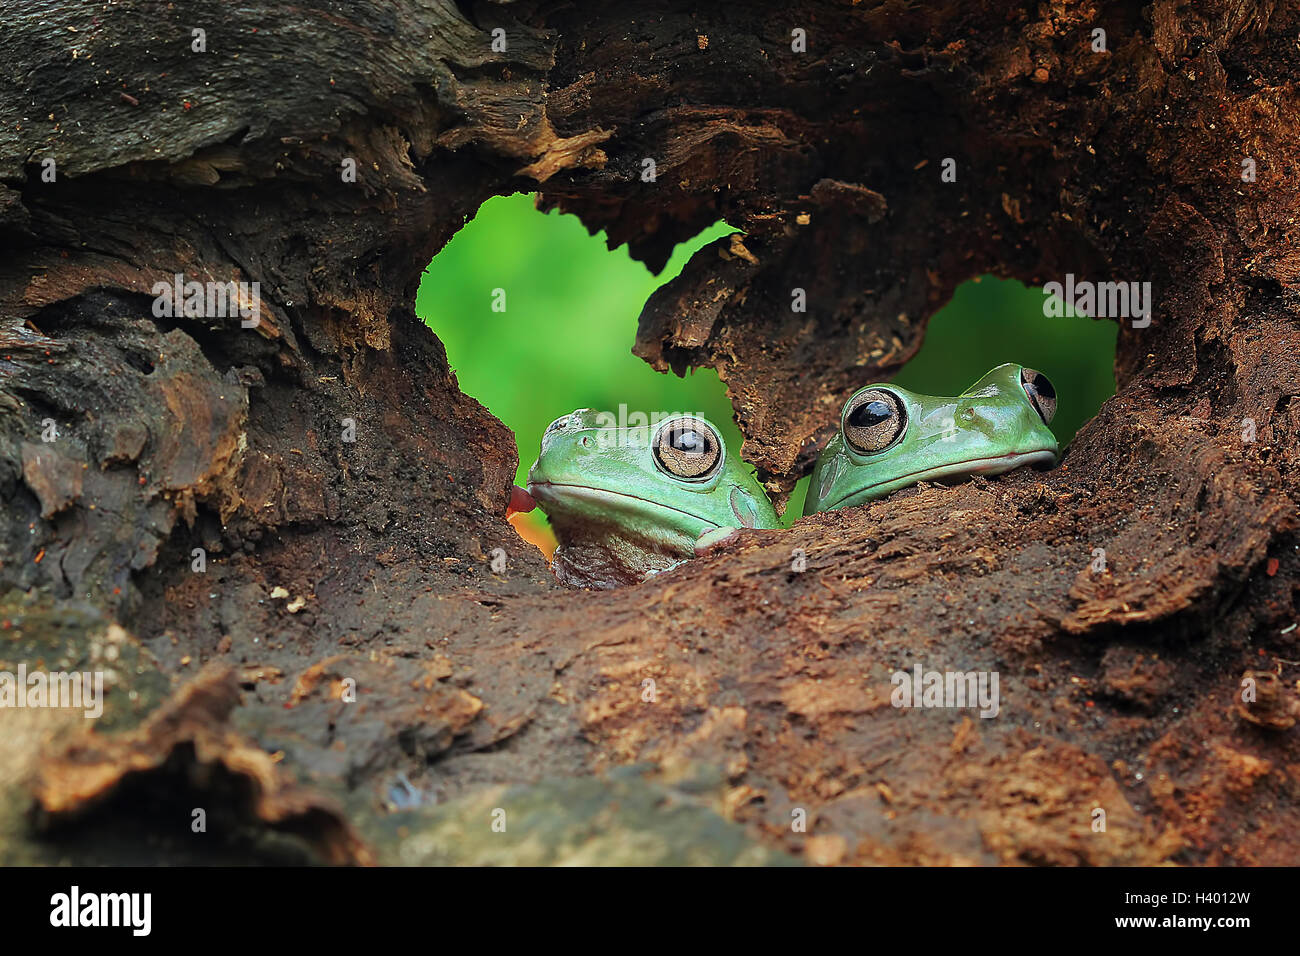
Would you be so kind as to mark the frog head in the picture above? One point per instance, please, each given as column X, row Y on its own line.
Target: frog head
column 628, row 502
column 890, row 437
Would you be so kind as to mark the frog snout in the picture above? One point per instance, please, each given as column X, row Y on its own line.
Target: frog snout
column 562, row 428
column 564, row 421
column 584, row 443
column 969, row 420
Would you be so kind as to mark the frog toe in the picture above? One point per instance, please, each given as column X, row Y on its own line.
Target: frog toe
column 713, row 540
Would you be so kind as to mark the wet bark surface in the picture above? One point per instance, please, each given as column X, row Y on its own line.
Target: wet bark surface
column 348, row 679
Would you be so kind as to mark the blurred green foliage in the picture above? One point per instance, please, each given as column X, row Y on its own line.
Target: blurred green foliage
column 571, row 306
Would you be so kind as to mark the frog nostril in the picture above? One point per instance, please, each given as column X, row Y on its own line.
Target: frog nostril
column 586, row 441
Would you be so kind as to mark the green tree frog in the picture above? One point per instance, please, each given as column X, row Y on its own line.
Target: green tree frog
column 626, row 503
column 890, row 438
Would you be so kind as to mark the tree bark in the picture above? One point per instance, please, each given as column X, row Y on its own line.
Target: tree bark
column 334, row 564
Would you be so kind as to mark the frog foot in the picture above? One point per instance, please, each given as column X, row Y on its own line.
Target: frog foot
column 712, row 541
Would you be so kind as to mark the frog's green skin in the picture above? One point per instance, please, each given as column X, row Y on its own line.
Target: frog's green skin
column 619, row 514
column 990, row 428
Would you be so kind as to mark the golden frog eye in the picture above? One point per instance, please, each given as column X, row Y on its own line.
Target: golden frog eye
column 873, row 420
column 1042, row 394
column 688, row 448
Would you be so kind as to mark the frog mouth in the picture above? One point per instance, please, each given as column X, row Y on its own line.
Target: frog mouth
column 553, row 491
column 994, row 465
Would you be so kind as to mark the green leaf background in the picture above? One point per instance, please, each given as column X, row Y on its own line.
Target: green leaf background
column 564, row 340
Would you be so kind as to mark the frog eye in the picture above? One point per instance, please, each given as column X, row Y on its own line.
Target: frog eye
column 688, row 448
column 873, row 420
column 1042, row 395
